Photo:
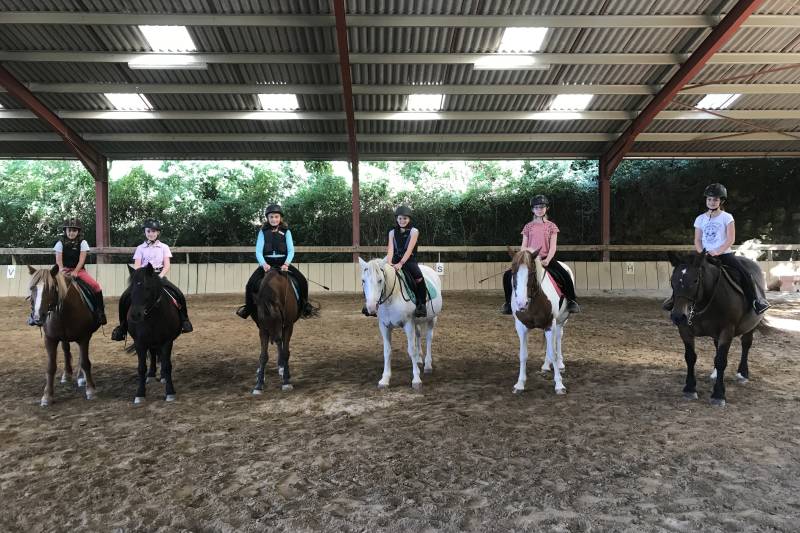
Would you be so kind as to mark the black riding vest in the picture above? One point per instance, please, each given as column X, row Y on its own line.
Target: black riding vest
column 401, row 244
column 71, row 253
column 274, row 241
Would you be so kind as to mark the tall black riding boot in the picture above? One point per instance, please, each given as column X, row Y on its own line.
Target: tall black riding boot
column 100, row 308
column 421, row 292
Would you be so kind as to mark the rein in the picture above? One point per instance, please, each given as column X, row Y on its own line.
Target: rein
column 692, row 313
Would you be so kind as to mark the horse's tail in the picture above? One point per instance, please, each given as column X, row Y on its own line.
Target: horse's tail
column 766, row 328
column 131, row 348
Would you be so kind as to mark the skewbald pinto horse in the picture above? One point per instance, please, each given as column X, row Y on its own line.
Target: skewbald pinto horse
column 535, row 305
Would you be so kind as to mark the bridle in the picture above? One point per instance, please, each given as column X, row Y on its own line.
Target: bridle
column 538, row 287
column 693, row 302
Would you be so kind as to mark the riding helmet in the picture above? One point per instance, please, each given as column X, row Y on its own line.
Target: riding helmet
column 403, row 211
column 273, row 208
column 151, row 223
column 540, row 199
column 72, row 223
column 716, row 189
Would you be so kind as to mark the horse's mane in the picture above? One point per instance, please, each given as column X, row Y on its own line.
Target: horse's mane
column 378, row 265
column 59, row 282
column 534, row 265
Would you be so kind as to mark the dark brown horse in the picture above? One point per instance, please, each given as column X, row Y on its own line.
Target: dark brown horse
column 154, row 323
column 707, row 304
column 276, row 313
column 57, row 307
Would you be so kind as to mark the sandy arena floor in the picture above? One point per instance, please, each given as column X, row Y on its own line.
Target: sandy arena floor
column 622, row 451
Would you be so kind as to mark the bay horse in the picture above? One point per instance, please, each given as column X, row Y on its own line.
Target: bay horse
column 707, row 304
column 57, row 307
column 384, row 295
column 535, row 304
column 277, row 310
column 154, row 323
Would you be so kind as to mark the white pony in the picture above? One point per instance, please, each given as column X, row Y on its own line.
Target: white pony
column 383, row 293
column 531, row 294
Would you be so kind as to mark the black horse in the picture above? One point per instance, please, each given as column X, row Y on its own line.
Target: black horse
column 154, row 323
column 707, row 303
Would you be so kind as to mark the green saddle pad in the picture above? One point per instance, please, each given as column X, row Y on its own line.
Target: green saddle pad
column 409, row 294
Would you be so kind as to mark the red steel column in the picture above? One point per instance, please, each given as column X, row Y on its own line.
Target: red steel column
column 102, row 227
column 604, row 186
column 347, row 94
column 715, row 40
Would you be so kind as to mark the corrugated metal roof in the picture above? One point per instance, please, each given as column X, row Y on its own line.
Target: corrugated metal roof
column 381, row 39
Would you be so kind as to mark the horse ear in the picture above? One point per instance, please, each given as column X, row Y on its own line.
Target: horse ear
column 149, row 269
column 54, row 270
column 31, row 270
column 383, row 261
column 362, row 263
column 131, row 270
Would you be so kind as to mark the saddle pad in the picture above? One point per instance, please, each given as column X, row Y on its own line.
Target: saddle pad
column 410, row 295
column 559, row 291
column 85, row 292
column 731, row 277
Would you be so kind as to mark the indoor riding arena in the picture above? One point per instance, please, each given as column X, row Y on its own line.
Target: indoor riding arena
column 611, row 87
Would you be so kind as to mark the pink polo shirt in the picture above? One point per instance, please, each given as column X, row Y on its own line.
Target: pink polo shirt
column 538, row 236
column 153, row 254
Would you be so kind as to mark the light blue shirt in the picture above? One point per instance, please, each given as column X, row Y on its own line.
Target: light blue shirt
column 289, row 249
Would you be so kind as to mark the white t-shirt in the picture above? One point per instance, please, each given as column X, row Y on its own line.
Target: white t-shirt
column 59, row 248
column 715, row 230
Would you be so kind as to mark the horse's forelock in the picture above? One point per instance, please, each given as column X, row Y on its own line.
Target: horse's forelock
column 49, row 282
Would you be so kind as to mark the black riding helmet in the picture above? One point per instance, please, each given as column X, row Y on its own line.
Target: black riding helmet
column 273, row 208
column 540, row 199
column 72, row 223
column 151, row 223
column 403, row 211
column 716, row 189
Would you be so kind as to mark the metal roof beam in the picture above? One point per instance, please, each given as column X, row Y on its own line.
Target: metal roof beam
column 763, row 58
column 408, row 21
column 725, row 136
column 704, row 54
column 207, row 88
column 741, row 114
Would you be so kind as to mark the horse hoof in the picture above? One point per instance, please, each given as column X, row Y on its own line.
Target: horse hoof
column 45, row 402
column 138, row 400
column 545, row 370
column 741, row 379
column 148, row 379
column 170, row 398
column 163, row 380
column 383, row 386
column 717, row 402
column 428, row 371
column 81, row 382
column 90, row 395
column 416, row 386
column 288, row 387
column 515, row 390
column 690, row 395
column 257, row 392
column 561, row 391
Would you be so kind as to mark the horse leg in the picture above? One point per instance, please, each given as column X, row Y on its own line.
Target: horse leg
column 743, row 372
column 151, row 369
column 720, row 362
column 559, row 355
column 141, row 353
column 283, row 359
column 166, row 371
column 713, row 375
column 262, row 361
column 690, row 388
column 386, row 334
column 428, row 343
column 411, row 337
column 86, row 367
column 553, row 358
column 66, row 377
column 51, row 346
column 522, row 333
